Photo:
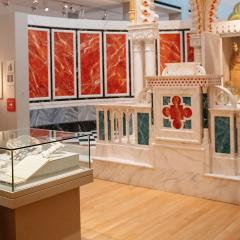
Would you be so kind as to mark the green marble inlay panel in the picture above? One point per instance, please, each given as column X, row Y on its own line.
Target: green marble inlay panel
column 187, row 124
column 205, row 110
column 166, row 100
column 167, row 123
column 101, row 125
column 109, row 126
column 124, row 125
column 222, row 135
column 143, row 128
column 187, row 101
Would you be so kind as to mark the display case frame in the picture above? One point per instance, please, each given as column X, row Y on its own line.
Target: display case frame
column 31, row 157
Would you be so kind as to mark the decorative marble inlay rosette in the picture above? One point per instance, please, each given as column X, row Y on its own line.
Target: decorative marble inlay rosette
column 177, row 114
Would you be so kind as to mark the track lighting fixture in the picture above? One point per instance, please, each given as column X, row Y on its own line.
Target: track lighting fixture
column 35, row 4
column 105, row 15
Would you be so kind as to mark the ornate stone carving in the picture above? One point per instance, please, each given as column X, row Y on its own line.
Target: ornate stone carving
column 144, row 32
column 183, row 69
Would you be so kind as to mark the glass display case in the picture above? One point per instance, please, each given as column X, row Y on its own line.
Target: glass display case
column 31, row 157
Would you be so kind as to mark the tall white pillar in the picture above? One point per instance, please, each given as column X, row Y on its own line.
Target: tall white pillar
column 150, row 57
column 138, row 66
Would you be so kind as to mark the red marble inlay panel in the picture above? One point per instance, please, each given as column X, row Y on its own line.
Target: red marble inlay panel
column 116, row 59
column 190, row 50
column 90, row 67
column 38, row 46
column 170, row 49
column 64, row 64
column 177, row 112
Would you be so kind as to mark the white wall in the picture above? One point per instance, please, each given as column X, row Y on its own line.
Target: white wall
column 13, row 46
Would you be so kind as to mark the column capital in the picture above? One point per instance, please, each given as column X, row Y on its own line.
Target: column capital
column 143, row 32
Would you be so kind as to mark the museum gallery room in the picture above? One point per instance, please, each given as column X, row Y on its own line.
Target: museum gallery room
column 119, row 120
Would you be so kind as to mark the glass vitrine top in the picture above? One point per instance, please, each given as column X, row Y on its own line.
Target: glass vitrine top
column 24, row 138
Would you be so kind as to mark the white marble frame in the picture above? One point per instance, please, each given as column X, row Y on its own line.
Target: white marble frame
column 49, row 63
column 105, row 66
column 178, row 135
column 79, row 64
column 75, row 64
column 158, row 46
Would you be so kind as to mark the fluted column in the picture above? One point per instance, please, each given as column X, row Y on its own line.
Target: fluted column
column 150, row 57
column 138, row 66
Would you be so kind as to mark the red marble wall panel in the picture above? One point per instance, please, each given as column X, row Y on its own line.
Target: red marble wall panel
column 64, row 64
column 90, row 64
column 116, row 64
column 190, row 50
column 38, row 44
column 170, row 49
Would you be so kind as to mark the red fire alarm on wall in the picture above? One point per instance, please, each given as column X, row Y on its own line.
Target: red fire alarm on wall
column 11, row 105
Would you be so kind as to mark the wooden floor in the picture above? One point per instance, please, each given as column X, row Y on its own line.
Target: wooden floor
column 121, row 212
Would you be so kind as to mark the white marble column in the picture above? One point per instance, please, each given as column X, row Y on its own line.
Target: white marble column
column 195, row 42
column 138, row 66
column 150, row 57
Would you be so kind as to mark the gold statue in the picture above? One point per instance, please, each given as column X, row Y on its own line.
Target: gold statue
column 234, row 83
column 236, row 13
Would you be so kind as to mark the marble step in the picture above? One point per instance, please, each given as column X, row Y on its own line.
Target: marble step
column 122, row 161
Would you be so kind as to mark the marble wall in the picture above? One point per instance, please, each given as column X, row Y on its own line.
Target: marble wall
column 50, row 116
column 64, row 63
column 116, row 63
column 90, row 63
column 39, row 62
column 170, row 49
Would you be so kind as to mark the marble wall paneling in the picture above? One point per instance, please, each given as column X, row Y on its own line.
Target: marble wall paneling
column 39, row 64
column 222, row 135
column 90, row 63
column 170, row 48
column 101, row 125
column 143, row 128
column 64, row 64
column 116, row 64
column 189, row 51
column 48, row 116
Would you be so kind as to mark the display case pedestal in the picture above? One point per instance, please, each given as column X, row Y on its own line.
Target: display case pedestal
column 54, row 218
column 48, row 211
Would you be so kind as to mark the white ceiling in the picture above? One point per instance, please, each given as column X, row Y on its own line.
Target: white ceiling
column 93, row 9
column 57, row 3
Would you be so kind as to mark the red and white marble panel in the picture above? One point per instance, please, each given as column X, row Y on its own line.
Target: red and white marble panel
column 116, row 65
column 170, row 48
column 39, row 67
column 64, row 63
column 189, row 50
column 90, row 64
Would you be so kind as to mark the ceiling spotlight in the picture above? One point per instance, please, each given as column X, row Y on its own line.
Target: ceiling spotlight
column 105, row 15
column 45, row 4
column 65, row 6
column 72, row 9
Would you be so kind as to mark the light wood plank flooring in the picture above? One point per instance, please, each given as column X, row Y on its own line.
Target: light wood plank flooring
column 112, row 211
